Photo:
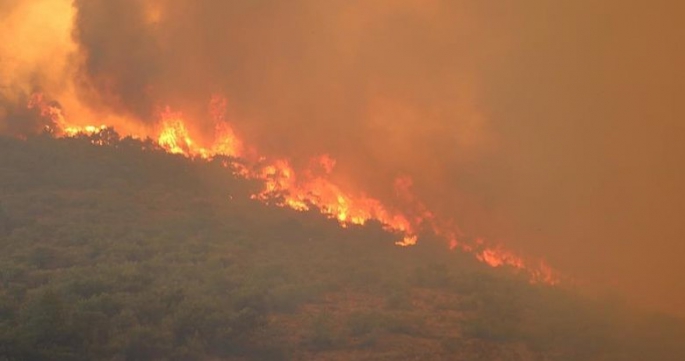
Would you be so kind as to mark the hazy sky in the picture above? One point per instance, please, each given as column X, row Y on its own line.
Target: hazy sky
column 557, row 128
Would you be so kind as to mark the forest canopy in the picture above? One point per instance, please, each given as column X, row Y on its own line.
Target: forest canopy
column 112, row 249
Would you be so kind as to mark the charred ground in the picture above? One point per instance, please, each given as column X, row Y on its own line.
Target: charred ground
column 124, row 252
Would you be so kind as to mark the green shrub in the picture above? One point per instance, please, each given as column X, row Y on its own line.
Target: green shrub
column 321, row 335
column 363, row 323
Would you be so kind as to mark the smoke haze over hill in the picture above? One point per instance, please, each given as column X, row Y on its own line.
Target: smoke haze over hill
column 556, row 129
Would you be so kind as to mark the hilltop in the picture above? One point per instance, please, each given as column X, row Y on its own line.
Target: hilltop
column 124, row 252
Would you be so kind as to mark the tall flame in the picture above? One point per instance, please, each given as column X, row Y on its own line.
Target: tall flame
column 311, row 188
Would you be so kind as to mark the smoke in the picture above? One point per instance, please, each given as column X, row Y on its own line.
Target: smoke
column 555, row 128
column 34, row 54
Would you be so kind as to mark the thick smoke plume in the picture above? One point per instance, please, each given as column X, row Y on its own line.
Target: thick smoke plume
column 557, row 128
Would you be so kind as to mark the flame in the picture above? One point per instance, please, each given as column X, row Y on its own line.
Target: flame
column 497, row 257
column 311, row 188
column 174, row 137
column 318, row 191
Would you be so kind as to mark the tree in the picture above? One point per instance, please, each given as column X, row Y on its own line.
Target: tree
column 5, row 223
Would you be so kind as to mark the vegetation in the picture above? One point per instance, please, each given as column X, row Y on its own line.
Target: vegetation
column 123, row 252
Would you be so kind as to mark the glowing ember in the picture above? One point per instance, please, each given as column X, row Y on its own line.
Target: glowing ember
column 311, row 188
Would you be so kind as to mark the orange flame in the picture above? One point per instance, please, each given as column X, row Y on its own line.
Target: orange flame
column 313, row 188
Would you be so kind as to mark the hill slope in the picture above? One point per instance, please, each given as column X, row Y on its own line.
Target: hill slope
column 123, row 252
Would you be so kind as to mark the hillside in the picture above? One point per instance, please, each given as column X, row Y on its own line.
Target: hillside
column 124, row 252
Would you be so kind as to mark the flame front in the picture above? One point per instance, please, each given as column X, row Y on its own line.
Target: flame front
column 311, row 188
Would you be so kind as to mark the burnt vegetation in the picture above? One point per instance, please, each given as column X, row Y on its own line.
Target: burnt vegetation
column 111, row 249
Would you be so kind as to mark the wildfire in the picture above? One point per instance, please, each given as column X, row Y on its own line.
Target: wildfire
column 318, row 191
column 174, row 136
column 312, row 188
